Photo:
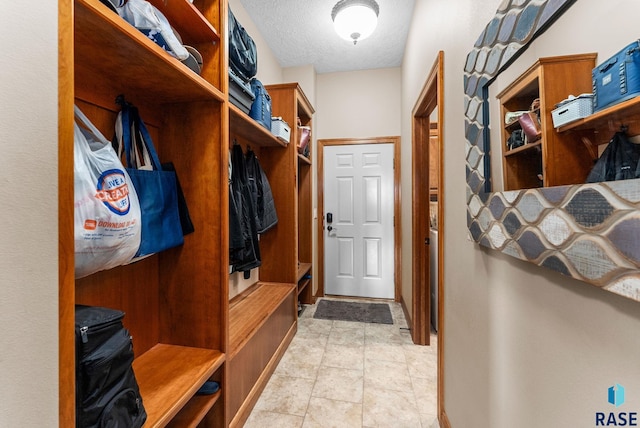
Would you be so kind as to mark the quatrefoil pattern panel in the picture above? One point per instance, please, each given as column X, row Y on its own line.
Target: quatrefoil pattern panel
column 590, row 232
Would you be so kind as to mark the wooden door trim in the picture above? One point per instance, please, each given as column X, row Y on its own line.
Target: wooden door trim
column 431, row 99
column 397, row 233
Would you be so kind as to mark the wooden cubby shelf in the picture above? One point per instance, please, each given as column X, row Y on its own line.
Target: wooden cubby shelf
column 169, row 376
column 523, row 148
column 304, row 159
column 555, row 159
column 195, row 411
column 247, row 128
column 193, row 27
column 303, row 269
column 126, row 52
column 303, row 283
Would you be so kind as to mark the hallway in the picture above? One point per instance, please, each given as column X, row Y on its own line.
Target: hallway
column 350, row 374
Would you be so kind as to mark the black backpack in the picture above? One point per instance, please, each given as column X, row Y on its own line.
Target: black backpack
column 243, row 55
column 107, row 393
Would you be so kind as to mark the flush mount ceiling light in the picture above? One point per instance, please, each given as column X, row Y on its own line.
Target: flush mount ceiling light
column 355, row 20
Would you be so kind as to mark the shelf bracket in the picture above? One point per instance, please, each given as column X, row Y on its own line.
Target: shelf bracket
column 590, row 147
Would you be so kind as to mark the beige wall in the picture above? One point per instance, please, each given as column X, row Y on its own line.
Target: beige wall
column 358, row 104
column 269, row 70
column 524, row 347
column 306, row 76
column 29, row 195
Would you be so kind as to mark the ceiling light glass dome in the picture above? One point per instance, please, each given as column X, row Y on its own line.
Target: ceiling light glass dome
column 355, row 20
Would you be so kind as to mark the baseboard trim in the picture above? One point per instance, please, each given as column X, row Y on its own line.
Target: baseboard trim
column 406, row 315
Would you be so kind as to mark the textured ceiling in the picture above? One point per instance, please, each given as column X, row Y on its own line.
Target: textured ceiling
column 300, row 32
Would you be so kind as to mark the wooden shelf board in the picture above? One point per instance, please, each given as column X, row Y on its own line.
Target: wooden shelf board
column 244, row 126
column 195, row 411
column 192, row 26
column 304, row 159
column 118, row 50
column 169, row 376
column 524, row 148
column 615, row 115
column 303, row 269
column 512, row 126
column 303, row 285
column 250, row 313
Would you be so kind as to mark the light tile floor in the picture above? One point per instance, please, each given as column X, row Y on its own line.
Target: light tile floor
column 348, row 374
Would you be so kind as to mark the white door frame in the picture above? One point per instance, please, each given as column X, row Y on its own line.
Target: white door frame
column 396, row 210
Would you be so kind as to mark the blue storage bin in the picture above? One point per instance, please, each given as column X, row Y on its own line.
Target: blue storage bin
column 618, row 78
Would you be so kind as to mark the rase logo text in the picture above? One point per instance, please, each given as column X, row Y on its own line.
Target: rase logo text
column 616, row 419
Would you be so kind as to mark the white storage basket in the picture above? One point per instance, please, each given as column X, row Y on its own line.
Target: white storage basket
column 280, row 129
column 572, row 109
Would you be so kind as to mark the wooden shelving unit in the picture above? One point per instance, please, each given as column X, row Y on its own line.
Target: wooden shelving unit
column 291, row 103
column 176, row 301
column 262, row 320
column 555, row 159
column 185, row 330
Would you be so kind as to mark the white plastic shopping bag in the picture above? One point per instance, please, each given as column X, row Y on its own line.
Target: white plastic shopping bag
column 107, row 221
column 153, row 24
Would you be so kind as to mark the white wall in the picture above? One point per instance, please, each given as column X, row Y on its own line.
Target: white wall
column 524, row 347
column 29, row 195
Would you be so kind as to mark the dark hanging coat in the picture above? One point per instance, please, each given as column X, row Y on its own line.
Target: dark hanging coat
column 266, row 216
column 619, row 161
column 244, row 251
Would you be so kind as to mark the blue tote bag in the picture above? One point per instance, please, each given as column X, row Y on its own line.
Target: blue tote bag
column 157, row 189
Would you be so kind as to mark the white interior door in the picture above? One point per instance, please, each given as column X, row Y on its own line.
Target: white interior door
column 359, row 241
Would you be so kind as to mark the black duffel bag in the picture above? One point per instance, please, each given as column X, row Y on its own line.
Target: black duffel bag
column 243, row 55
column 107, row 393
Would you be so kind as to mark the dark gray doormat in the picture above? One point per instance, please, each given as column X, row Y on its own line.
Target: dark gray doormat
column 378, row 313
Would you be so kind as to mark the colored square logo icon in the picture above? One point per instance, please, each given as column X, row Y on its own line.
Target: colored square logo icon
column 616, row 395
